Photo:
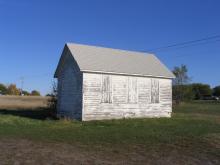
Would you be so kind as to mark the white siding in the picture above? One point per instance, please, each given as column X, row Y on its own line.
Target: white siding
column 131, row 97
column 106, row 89
column 132, row 90
column 70, row 90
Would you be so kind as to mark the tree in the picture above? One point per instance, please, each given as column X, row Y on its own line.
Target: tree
column 26, row 93
column 181, row 79
column 201, row 90
column 181, row 74
column 52, row 101
column 13, row 90
column 3, row 89
column 187, row 93
column 48, row 95
column 216, row 91
column 35, row 93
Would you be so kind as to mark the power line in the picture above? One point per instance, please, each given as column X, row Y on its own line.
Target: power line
column 202, row 41
column 183, row 56
column 185, row 44
column 192, row 45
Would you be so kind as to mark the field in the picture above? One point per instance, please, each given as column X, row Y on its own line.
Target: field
column 24, row 102
column 29, row 136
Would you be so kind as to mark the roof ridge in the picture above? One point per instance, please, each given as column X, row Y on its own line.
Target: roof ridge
column 110, row 60
column 116, row 49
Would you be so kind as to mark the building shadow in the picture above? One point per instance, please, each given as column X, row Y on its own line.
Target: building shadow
column 38, row 114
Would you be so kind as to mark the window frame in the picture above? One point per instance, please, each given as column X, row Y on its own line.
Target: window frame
column 153, row 79
column 109, row 92
column 130, row 81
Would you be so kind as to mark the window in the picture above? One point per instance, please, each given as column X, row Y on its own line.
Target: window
column 154, row 91
column 132, row 90
column 106, row 89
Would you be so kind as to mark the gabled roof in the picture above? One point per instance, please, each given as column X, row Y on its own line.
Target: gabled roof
column 115, row 61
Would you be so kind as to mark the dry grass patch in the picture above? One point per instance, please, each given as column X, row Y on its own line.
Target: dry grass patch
column 23, row 102
column 23, row 151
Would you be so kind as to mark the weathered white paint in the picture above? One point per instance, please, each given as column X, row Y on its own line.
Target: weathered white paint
column 130, row 97
column 88, row 96
column 69, row 89
column 100, row 83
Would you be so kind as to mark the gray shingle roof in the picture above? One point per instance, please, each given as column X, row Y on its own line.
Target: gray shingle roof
column 107, row 60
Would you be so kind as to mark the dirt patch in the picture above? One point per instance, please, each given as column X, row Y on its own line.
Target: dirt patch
column 213, row 140
column 22, row 152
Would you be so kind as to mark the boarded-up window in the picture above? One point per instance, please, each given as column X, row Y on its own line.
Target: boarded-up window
column 132, row 90
column 154, row 91
column 119, row 89
column 106, row 89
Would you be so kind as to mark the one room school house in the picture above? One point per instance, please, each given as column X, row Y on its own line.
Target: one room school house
column 96, row 83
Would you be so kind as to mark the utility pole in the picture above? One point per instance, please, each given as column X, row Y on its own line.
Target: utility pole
column 22, row 84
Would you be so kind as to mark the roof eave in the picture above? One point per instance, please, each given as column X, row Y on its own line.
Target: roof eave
column 127, row 74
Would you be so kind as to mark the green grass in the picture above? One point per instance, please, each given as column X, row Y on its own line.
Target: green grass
column 194, row 127
column 193, row 133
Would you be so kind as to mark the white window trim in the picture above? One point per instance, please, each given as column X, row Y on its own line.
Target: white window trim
column 130, row 78
column 158, row 91
column 110, row 91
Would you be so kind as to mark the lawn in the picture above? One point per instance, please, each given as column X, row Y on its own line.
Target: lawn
column 191, row 136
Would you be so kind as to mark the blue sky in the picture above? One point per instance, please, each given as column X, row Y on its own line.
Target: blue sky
column 33, row 33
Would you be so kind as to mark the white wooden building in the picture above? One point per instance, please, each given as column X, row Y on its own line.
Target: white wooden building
column 96, row 83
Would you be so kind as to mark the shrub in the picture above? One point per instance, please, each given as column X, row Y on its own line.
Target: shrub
column 3, row 89
column 35, row 93
column 216, row 91
column 52, row 101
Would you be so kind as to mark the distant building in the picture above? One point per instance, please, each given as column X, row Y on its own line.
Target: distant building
column 96, row 83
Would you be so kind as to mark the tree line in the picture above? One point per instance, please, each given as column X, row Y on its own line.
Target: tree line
column 13, row 90
column 183, row 90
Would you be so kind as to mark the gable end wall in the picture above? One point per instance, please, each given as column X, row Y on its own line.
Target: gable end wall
column 69, row 89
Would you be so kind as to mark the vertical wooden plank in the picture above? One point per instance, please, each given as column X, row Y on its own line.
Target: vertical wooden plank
column 106, row 89
column 154, row 91
column 132, row 90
